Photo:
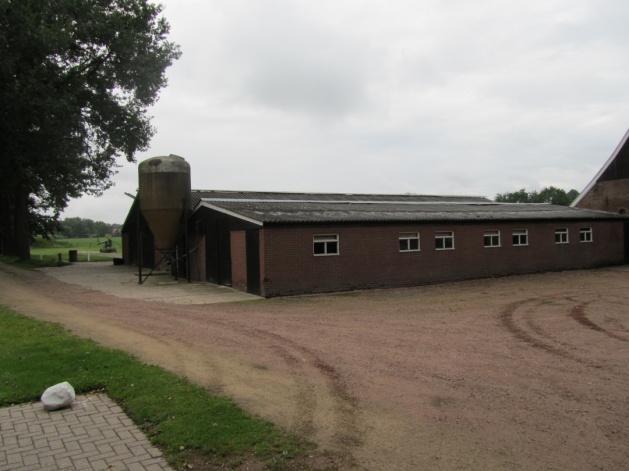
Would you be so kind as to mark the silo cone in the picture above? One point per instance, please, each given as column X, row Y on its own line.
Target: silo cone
column 164, row 190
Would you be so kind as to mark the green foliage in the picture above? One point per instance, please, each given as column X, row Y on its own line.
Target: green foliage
column 549, row 194
column 87, row 244
column 80, row 227
column 37, row 262
column 44, row 252
column 174, row 412
column 78, row 77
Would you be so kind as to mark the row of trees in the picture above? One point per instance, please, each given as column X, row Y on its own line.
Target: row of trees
column 549, row 194
column 79, row 227
column 76, row 80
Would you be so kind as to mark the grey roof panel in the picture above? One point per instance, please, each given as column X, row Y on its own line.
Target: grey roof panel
column 197, row 195
column 293, row 211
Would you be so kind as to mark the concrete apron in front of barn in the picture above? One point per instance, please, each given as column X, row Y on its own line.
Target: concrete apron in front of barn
column 122, row 281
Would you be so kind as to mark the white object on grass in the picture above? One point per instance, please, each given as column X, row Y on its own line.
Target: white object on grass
column 58, row 396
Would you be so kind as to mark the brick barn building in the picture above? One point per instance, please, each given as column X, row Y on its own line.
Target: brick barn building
column 291, row 243
column 609, row 189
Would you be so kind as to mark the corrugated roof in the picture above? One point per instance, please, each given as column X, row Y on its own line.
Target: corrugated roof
column 197, row 195
column 292, row 208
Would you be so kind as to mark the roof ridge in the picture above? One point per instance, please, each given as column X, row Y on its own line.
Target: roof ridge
column 471, row 203
column 337, row 193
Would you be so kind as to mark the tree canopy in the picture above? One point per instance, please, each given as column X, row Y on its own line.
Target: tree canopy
column 81, row 227
column 549, row 194
column 76, row 80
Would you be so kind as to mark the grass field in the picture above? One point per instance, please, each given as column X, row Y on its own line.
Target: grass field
column 47, row 251
column 186, row 422
column 32, row 263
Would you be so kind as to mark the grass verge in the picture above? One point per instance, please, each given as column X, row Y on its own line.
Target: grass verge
column 79, row 243
column 47, row 250
column 33, row 262
column 183, row 419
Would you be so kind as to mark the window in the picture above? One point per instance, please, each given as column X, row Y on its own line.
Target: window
column 325, row 244
column 409, row 241
column 444, row 241
column 561, row 236
column 585, row 234
column 491, row 239
column 520, row 237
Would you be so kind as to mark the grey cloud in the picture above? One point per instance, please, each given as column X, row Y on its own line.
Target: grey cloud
column 286, row 60
column 406, row 96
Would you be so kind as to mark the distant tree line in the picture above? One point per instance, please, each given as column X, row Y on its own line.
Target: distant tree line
column 79, row 227
column 550, row 194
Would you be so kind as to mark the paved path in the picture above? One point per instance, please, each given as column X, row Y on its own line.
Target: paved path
column 95, row 434
column 122, row 281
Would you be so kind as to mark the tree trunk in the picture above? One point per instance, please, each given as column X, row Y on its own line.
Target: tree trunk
column 22, row 233
column 7, row 231
column 6, row 227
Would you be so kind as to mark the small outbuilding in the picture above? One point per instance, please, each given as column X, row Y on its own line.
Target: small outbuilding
column 275, row 243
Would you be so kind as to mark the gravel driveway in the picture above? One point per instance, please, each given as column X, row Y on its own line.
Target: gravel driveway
column 527, row 372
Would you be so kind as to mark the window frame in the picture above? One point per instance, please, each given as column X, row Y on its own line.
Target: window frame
column 330, row 238
column 442, row 236
column 490, row 233
column 520, row 232
column 561, row 232
column 586, row 230
column 408, row 236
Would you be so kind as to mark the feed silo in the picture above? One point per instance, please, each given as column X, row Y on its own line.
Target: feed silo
column 164, row 193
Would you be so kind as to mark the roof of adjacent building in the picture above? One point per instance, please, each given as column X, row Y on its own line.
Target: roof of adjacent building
column 310, row 208
column 614, row 168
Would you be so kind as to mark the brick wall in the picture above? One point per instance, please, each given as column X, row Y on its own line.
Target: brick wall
column 610, row 195
column 238, row 244
column 370, row 256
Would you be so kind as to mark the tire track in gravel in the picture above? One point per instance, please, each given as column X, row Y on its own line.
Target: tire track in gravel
column 305, row 398
column 617, row 323
column 578, row 314
column 508, row 322
column 347, row 434
column 536, row 328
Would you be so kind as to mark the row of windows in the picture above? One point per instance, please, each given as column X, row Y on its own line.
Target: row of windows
column 328, row 244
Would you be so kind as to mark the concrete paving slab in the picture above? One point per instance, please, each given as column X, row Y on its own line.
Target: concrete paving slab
column 94, row 434
column 122, row 281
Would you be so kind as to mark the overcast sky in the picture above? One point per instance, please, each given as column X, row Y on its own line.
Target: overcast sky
column 438, row 97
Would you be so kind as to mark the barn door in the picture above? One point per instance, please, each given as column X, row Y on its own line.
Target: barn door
column 253, row 261
column 627, row 242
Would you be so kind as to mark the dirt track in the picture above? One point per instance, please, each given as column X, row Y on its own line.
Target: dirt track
column 527, row 372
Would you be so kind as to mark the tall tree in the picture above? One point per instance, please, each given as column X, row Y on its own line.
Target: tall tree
column 549, row 194
column 76, row 80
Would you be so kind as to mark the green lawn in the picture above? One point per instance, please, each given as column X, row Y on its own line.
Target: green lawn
column 32, row 263
column 44, row 250
column 182, row 419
